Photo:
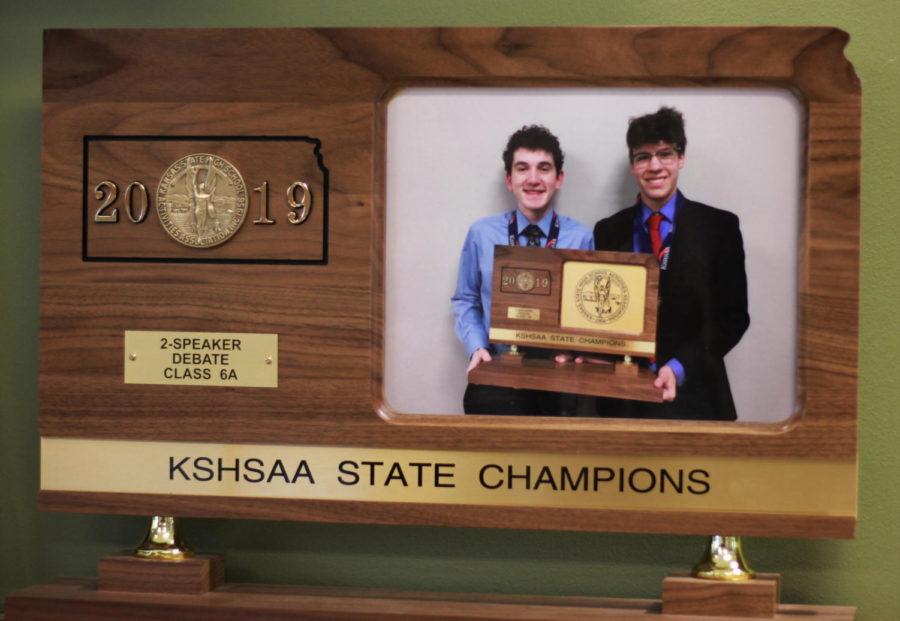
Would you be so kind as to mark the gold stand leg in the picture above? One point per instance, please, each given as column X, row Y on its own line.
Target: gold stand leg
column 163, row 541
column 723, row 560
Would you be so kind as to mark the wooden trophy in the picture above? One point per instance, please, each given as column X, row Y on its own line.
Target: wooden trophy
column 581, row 302
column 217, row 289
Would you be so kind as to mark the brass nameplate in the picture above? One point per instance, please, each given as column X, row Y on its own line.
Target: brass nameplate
column 201, row 358
column 577, row 342
column 595, row 480
column 520, row 312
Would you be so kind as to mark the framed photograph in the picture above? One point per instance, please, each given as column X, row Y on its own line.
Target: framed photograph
column 744, row 154
column 305, row 367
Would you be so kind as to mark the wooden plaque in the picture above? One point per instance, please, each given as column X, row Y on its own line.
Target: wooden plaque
column 575, row 302
column 141, row 120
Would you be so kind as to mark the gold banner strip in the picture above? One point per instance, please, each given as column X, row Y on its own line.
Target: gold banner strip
column 577, row 342
column 774, row 485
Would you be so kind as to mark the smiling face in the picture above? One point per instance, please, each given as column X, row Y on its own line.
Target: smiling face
column 655, row 167
column 533, row 180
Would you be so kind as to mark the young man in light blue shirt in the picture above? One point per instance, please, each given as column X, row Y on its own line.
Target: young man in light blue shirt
column 534, row 173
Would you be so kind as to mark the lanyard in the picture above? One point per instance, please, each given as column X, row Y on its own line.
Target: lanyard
column 514, row 231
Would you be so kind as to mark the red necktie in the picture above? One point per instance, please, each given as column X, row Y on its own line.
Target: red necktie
column 655, row 238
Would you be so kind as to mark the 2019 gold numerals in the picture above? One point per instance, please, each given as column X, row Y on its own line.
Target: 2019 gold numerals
column 136, row 201
column 298, row 210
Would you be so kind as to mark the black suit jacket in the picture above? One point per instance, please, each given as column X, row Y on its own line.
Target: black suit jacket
column 702, row 307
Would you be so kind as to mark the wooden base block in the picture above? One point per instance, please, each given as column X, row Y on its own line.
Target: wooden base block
column 756, row 598
column 627, row 369
column 192, row 576
column 599, row 380
column 512, row 360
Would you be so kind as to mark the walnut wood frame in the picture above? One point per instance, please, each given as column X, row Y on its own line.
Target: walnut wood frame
column 334, row 84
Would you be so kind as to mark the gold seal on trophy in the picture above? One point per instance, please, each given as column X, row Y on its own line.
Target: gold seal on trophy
column 525, row 281
column 601, row 296
column 201, row 200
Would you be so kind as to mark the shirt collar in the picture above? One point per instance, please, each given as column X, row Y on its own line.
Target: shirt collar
column 543, row 223
column 668, row 210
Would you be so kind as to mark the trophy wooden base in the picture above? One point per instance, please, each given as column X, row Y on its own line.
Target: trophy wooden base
column 756, row 598
column 79, row 599
column 622, row 381
column 191, row 576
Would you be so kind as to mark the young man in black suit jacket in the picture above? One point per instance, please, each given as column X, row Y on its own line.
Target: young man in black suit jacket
column 703, row 286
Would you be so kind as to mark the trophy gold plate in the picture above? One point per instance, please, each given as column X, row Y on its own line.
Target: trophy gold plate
column 578, row 302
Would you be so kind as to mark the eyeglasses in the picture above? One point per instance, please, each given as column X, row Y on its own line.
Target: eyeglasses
column 666, row 157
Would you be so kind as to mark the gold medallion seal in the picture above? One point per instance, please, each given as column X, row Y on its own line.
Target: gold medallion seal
column 201, row 200
column 525, row 281
column 601, row 296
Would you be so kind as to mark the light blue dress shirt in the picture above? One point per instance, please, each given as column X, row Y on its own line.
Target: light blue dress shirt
column 472, row 299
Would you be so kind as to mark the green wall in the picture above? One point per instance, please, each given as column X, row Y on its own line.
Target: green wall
column 36, row 547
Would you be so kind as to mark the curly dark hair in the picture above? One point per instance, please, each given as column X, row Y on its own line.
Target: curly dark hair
column 666, row 125
column 533, row 138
